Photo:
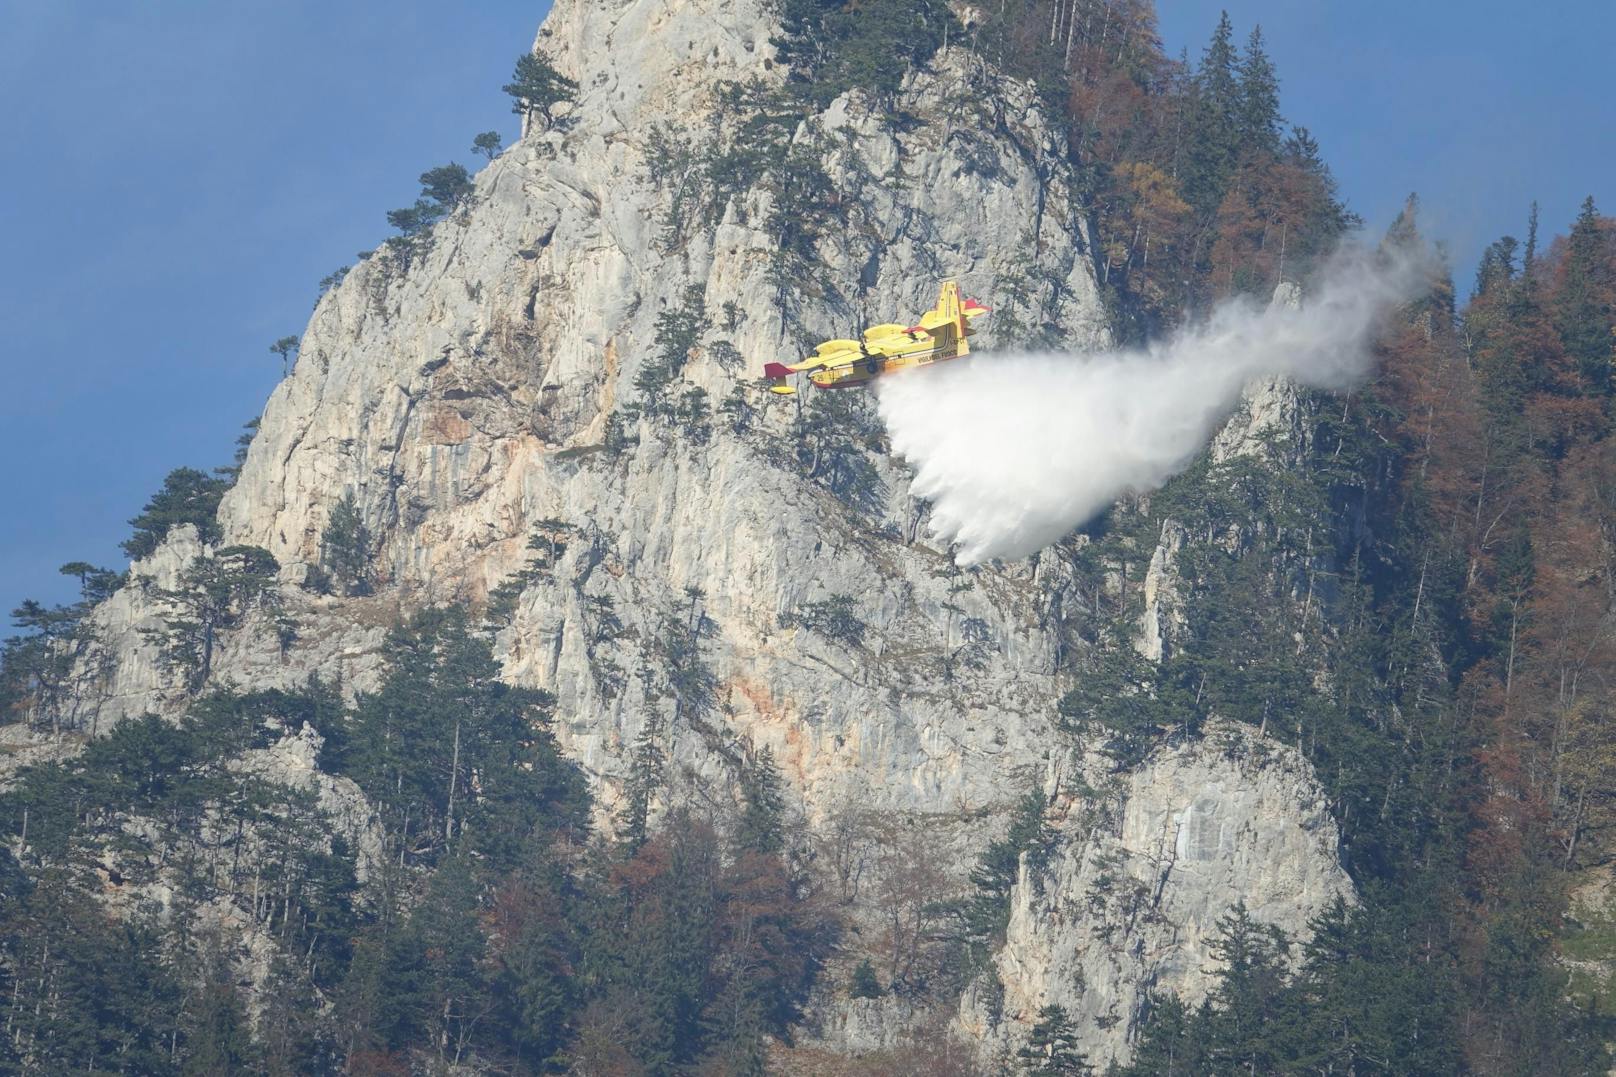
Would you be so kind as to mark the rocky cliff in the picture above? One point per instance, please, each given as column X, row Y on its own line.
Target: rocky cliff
column 489, row 386
column 1145, row 866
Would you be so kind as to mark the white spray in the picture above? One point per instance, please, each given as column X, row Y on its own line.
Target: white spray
column 1015, row 450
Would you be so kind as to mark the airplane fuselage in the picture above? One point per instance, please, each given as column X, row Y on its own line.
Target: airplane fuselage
column 885, row 349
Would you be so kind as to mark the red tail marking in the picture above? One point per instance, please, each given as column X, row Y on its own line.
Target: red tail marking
column 776, row 370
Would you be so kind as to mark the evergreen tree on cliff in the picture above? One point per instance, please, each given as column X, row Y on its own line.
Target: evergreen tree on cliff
column 188, row 496
column 1586, row 309
column 536, row 88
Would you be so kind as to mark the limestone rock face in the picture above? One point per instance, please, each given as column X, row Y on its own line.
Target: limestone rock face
column 1161, row 617
column 1133, row 894
column 463, row 399
column 482, row 390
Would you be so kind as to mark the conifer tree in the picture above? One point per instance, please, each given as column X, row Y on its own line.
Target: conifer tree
column 345, row 547
column 48, row 674
column 447, row 187
column 244, row 440
column 536, row 87
column 1172, row 1044
column 217, row 1036
column 487, row 145
column 761, row 828
column 1529, row 260
column 451, row 753
column 1257, row 120
column 1217, row 75
column 444, row 951
column 188, row 496
column 865, row 984
column 215, row 594
column 1051, row 1047
column 1213, row 128
column 1497, row 265
column 1253, row 1013
column 1583, row 311
column 285, row 347
column 290, row 1033
column 645, row 778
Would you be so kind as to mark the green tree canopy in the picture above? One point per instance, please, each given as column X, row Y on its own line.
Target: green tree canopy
column 452, row 753
column 188, row 496
column 285, row 347
column 536, row 87
column 346, row 548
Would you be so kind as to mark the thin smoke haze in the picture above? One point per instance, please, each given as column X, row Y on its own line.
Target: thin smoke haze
column 1015, row 450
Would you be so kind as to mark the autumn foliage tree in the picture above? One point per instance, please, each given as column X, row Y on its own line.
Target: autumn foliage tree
column 1503, row 415
column 1193, row 180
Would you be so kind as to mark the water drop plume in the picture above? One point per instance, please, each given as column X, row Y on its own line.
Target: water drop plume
column 1014, row 450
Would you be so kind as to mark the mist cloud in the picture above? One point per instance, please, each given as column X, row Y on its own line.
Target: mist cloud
column 1014, row 450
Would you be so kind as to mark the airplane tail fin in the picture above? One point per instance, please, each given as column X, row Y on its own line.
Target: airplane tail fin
column 947, row 322
column 950, row 310
column 777, row 373
column 948, row 304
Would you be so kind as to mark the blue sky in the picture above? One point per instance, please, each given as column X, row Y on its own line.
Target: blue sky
column 179, row 174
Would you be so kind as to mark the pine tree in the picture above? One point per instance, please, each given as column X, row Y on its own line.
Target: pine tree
column 997, row 869
column 50, row 673
column 1529, row 261
column 216, row 1029
column 215, row 594
column 451, row 754
column 443, row 191
column 1051, row 1047
column 291, row 1035
column 188, row 497
column 536, row 87
column 1368, row 999
column 538, row 956
column 678, row 333
column 671, row 945
column 1497, row 265
column 244, row 440
column 445, row 950
column 447, row 187
column 487, row 145
column 285, row 347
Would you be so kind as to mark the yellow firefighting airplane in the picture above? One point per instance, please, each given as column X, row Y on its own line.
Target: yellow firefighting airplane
column 846, row 364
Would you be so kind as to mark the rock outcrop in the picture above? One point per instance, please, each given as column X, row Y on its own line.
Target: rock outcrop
column 475, row 391
column 1131, row 898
